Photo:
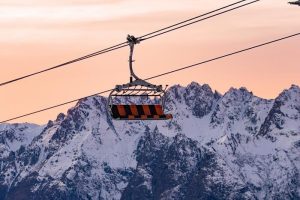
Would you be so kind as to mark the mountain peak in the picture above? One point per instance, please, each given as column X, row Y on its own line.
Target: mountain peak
column 239, row 90
column 238, row 95
column 284, row 115
column 291, row 94
column 295, row 87
column 196, row 86
column 60, row 117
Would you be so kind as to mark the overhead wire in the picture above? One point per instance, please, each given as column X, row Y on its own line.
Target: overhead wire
column 159, row 75
column 55, row 106
column 191, row 19
column 199, row 20
column 115, row 47
column 223, row 56
column 124, row 44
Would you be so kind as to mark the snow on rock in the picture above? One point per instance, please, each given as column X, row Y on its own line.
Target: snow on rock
column 13, row 136
column 231, row 146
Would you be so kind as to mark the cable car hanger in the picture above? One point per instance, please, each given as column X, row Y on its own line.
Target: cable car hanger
column 137, row 87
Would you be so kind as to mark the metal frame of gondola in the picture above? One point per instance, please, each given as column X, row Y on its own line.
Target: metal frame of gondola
column 137, row 87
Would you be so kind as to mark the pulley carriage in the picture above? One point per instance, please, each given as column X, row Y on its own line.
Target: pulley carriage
column 140, row 90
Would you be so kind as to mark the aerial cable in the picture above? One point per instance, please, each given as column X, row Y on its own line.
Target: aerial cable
column 67, row 63
column 223, row 56
column 55, row 106
column 124, row 44
column 159, row 75
column 191, row 19
column 199, row 20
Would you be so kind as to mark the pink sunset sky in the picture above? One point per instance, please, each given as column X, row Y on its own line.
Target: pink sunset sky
column 37, row 34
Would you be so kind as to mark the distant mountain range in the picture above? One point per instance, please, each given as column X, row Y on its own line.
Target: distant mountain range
column 231, row 146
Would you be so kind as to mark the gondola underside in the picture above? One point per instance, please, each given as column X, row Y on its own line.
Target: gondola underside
column 139, row 112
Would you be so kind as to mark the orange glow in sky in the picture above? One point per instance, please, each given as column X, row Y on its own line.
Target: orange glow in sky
column 35, row 35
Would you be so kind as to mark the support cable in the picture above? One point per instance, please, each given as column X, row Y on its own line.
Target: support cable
column 144, row 37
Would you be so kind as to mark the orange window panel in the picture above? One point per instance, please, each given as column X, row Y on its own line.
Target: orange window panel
column 144, row 117
column 155, row 116
column 159, row 110
column 121, row 110
column 134, row 110
column 146, row 110
column 131, row 117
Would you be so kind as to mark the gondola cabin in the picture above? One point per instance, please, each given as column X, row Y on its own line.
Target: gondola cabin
column 140, row 90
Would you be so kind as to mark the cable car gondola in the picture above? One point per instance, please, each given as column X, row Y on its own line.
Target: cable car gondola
column 140, row 88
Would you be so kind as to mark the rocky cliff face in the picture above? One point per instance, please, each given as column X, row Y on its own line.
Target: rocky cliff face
column 231, row 146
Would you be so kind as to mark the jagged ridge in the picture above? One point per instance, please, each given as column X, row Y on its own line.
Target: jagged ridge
column 231, row 146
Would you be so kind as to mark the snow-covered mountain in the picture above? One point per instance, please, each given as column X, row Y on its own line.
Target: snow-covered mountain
column 231, row 146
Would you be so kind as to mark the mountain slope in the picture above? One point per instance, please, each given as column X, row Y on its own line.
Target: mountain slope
column 231, row 146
